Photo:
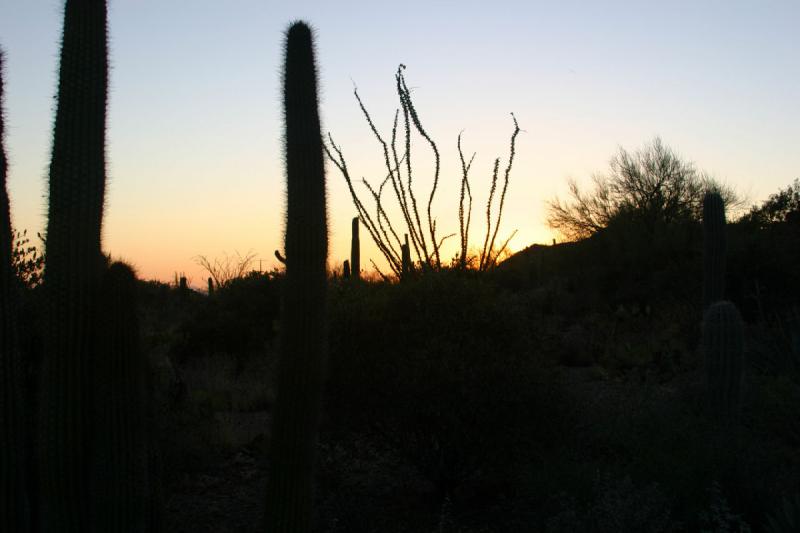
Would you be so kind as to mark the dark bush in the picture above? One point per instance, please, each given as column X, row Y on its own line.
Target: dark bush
column 237, row 319
column 440, row 369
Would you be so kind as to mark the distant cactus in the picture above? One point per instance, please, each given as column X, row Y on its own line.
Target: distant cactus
column 406, row 258
column 346, row 269
column 14, row 503
column 119, row 445
column 210, row 286
column 355, row 251
column 724, row 358
column 73, row 270
column 714, row 248
column 303, row 335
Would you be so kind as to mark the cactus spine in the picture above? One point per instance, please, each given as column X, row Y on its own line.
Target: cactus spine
column 714, row 243
column 73, row 270
column 119, row 489
column 304, row 338
column 724, row 358
column 355, row 251
column 14, row 504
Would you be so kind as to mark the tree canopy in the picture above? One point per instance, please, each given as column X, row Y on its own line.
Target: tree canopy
column 650, row 186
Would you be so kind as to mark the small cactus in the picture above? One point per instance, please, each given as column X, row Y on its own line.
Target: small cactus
column 303, row 335
column 724, row 358
column 119, row 445
column 346, row 269
column 714, row 250
column 406, row 258
column 355, row 251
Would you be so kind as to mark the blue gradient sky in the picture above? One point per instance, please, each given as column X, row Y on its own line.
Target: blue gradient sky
column 194, row 139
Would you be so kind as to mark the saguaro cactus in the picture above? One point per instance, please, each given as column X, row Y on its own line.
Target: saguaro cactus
column 724, row 358
column 406, row 258
column 714, row 250
column 355, row 251
column 303, row 335
column 119, row 445
column 14, row 504
column 73, row 270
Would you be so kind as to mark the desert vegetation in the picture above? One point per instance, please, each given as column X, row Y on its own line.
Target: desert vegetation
column 644, row 375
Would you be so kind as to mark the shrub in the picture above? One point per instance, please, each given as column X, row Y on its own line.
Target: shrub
column 652, row 186
column 440, row 369
column 237, row 319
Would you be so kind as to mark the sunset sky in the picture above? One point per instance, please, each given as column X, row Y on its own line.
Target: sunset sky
column 194, row 130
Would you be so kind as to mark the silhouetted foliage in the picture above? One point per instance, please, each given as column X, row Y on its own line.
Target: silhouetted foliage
column 783, row 206
column 226, row 268
column 651, row 186
column 238, row 319
column 27, row 259
column 444, row 361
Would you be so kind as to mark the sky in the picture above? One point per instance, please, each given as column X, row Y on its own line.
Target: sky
column 194, row 142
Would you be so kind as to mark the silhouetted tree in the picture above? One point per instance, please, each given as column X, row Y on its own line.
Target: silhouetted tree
column 652, row 186
column 228, row 268
column 783, row 206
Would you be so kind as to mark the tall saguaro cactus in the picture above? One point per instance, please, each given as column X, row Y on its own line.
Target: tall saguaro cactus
column 14, row 504
column 304, row 334
column 714, row 248
column 724, row 358
column 355, row 251
column 73, row 270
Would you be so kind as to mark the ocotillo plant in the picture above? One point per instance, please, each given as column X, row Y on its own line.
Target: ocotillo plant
column 119, row 444
column 714, row 248
column 14, row 503
column 724, row 358
column 303, row 335
column 73, row 270
column 355, row 251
